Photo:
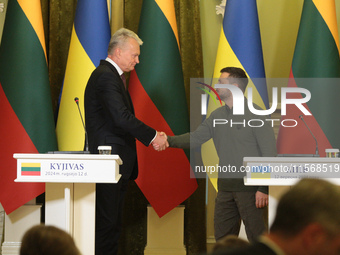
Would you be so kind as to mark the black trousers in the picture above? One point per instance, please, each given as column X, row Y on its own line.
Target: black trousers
column 109, row 207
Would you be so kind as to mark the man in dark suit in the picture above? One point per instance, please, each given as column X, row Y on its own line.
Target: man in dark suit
column 110, row 120
column 307, row 222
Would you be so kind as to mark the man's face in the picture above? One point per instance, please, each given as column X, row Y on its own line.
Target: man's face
column 323, row 242
column 224, row 93
column 128, row 55
column 331, row 245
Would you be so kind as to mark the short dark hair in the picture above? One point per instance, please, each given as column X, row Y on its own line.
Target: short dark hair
column 239, row 74
column 309, row 201
column 47, row 240
column 231, row 242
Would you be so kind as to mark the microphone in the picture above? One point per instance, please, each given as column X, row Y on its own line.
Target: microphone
column 76, row 99
column 316, row 142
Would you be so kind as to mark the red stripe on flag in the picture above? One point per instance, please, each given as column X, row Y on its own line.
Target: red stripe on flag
column 297, row 140
column 165, row 180
column 30, row 173
column 14, row 140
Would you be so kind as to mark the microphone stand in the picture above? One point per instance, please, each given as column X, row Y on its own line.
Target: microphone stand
column 76, row 99
column 316, row 142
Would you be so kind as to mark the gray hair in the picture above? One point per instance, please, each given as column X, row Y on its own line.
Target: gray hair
column 309, row 201
column 120, row 38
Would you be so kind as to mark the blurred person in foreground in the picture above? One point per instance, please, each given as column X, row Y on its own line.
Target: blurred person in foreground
column 307, row 222
column 47, row 240
column 230, row 241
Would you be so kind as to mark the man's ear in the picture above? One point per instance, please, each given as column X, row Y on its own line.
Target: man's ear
column 313, row 235
column 117, row 52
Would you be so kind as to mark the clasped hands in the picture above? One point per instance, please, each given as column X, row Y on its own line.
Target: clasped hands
column 160, row 143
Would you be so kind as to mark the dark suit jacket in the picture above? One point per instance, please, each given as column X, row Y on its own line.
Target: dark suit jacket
column 110, row 119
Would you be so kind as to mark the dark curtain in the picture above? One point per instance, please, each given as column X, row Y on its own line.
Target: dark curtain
column 58, row 21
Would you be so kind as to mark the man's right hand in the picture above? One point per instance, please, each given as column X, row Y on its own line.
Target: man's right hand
column 161, row 141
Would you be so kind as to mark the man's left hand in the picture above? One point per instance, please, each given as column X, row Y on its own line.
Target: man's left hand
column 261, row 199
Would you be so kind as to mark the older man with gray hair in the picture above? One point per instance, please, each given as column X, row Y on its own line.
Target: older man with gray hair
column 110, row 121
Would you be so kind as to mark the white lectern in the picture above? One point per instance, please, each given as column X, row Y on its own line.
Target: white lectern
column 281, row 172
column 70, row 189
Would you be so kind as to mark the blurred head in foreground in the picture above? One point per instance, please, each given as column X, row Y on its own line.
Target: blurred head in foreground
column 47, row 240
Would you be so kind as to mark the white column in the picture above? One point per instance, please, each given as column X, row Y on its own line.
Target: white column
column 84, row 217
column 71, row 207
column 275, row 193
column 165, row 235
column 16, row 224
column 59, row 205
column 2, row 225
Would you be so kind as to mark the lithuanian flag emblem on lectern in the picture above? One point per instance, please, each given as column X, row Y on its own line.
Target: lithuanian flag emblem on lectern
column 30, row 169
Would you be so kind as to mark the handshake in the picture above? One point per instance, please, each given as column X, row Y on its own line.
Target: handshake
column 160, row 143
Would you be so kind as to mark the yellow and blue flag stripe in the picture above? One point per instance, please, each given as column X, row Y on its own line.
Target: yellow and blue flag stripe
column 239, row 46
column 89, row 41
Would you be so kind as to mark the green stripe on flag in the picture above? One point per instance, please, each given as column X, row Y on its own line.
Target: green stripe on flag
column 316, row 56
column 31, row 169
column 162, row 82
column 24, row 78
column 316, row 53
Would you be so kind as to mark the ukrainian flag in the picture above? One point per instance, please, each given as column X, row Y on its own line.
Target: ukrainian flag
column 89, row 41
column 239, row 46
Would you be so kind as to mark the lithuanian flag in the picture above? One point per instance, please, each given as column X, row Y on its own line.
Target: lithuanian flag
column 26, row 115
column 316, row 57
column 157, row 91
column 30, row 169
column 89, row 42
